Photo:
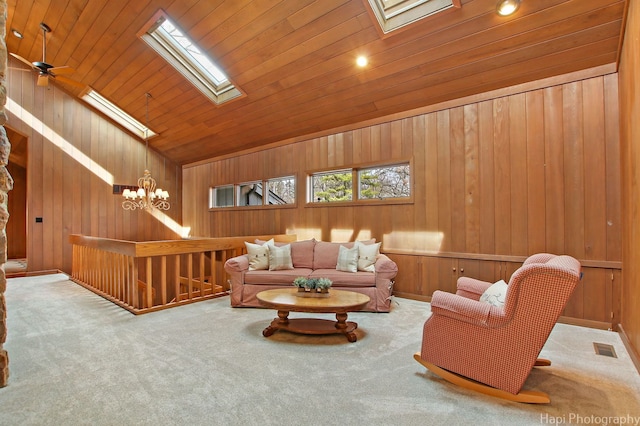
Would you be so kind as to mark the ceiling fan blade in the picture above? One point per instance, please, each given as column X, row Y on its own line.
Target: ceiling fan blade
column 43, row 80
column 67, row 80
column 61, row 70
column 21, row 59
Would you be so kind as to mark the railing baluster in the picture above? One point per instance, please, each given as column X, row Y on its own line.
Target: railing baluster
column 110, row 268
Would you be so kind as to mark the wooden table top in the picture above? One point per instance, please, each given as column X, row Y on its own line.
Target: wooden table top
column 285, row 299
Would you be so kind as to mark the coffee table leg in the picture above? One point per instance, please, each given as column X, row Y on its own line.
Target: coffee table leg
column 282, row 320
column 341, row 325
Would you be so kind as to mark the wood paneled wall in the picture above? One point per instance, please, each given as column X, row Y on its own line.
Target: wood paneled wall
column 74, row 156
column 630, row 141
column 495, row 178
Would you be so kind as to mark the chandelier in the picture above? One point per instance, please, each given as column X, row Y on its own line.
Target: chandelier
column 148, row 195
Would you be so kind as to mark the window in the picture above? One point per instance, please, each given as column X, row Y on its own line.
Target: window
column 221, row 196
column 282, row 190
column 394, row 14
column 187, row 58
column 380, row 182
column 249, row 194
column 331, row 186
column 279, row 192
column 108, row 108
column 384, row 182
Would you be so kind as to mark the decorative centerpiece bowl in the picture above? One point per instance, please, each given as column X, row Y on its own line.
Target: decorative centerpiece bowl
column 312, row 287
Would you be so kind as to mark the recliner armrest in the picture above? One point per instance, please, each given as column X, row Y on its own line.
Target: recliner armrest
column 471, row 288
column 466, row 310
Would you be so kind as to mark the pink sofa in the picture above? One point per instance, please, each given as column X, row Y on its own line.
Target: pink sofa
column 313, row 259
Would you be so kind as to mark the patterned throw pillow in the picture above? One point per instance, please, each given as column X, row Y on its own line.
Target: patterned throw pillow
column 280, row 258
column 258, row 256
column 496, row 294
column 347, row 259
column 367, row 254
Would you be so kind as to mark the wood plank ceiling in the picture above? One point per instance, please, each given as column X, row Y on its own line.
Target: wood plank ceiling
column 295, row 60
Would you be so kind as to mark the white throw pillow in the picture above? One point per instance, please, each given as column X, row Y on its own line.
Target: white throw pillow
column 367, row 254
column 280, row 257
column 347, row 259
column 496, row 294
column 258, row 256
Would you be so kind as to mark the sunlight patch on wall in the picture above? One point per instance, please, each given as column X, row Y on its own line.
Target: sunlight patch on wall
column 305, row 233
column 342, row 235
column 419, row 242
column 183, row 231
column 53, row 137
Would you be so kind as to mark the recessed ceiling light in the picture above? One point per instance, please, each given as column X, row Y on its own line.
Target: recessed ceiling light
column 362, row 61
column 507, row 7
column 16, row 33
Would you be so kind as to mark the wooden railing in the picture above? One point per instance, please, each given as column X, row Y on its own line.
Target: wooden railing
column 153, row 275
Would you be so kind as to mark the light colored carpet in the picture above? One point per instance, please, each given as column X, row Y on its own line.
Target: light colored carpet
column 77, row 359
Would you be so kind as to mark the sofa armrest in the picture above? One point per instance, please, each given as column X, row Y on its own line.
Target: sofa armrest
column 466, row 310
column 385, row 266
column 237, row 264
column 471, row 288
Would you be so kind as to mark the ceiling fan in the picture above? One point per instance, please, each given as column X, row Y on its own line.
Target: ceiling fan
column 45, row 70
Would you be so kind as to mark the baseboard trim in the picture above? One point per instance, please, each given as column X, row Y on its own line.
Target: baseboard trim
column 633, row 354
column 600, row 325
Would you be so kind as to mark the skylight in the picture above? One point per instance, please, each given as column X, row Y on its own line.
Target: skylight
column 102, row 104
column 395, row 14
column 190, row 60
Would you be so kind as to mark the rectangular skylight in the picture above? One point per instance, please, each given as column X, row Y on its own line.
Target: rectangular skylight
column 188, row 59
column 102, row 104
column 395, row 14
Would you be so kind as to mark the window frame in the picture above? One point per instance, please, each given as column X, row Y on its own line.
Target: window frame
column 236, row 190
column 356, row 200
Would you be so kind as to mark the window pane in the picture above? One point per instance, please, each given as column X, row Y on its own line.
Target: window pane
column 250, row 194
column 385, row 182
column 282, row 190
column 222, row 196
column 331, row 186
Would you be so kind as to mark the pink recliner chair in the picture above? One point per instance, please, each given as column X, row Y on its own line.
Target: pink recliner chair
column 491, row 348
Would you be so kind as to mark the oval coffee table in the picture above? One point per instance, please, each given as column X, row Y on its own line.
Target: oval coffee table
column 339, row 302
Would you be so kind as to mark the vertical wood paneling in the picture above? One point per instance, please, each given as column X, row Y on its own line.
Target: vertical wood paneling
column 630, row 154
column 536, row 197
column 573, row 168
column 65, row 190
column 554, row 170
column 471, row 180
column 487, row 231
column 504, row 176
column 518, row 174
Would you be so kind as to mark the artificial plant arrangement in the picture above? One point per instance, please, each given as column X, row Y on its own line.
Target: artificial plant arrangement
column 312, row 286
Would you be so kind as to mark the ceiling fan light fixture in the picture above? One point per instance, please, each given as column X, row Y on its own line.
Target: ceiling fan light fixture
column 507, row 7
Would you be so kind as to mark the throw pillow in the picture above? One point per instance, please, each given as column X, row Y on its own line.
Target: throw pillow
column 280, row 258
column 367, row 254
column 347, row 259
column 258, row 256
column 496, row 294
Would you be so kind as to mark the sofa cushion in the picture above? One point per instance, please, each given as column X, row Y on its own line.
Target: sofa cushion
column 367, row 254
column 258, row 256
column 325, row 254
column 347, row 259
column 345, row 279
column 280, row 258
column 281, row 277
column 301, row 252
